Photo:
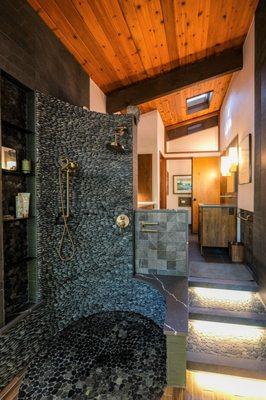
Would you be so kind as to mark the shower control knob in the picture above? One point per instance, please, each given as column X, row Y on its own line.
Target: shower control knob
column 122, row 221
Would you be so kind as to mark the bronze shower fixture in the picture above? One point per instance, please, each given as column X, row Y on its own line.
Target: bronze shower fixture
column 115, row 145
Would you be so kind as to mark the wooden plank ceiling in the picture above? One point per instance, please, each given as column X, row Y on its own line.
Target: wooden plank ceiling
column 173, row 107
column 120, row 42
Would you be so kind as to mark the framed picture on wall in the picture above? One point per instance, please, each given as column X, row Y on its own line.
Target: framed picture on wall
column 182, row 184
column 245, row 169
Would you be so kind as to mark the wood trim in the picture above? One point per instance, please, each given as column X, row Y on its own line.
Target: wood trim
column 223, row 63
column 2, row 305
column 10, row 392
column 145, row 178
column 163, row 182
column 193, row 152
column 182, row 131
column 178, row 158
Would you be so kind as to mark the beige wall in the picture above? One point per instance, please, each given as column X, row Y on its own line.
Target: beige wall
column 151, row 141
column 237, row 114
column 206, row 140
column 97, row 98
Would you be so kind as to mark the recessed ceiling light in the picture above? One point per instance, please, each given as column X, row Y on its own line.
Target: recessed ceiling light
column 199, row 102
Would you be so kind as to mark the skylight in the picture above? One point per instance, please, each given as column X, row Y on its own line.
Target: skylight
column 199, row 102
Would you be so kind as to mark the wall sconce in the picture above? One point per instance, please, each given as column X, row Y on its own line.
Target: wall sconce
column 233, row 156
column 225, row 166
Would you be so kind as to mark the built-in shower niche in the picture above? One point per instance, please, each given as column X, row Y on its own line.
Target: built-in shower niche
column 18, row 273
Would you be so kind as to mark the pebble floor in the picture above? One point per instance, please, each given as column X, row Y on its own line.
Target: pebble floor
column 236, row 344
column 251, row 304
column 107, row 356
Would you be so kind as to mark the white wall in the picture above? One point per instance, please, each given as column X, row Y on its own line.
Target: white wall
column 237, row 114
column 177, row 167
column 206, row 140
column 97, row 98
column 151, row 141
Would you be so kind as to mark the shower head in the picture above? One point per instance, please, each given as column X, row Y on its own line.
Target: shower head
column 67, row 165
column 115, row 145
column 120, row 130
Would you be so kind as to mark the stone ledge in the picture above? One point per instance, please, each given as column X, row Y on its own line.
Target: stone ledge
column 232, row 317
column 251, row 286
column 225, row 365
column 175, row 291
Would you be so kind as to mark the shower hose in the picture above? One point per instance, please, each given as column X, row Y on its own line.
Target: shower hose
column 66, row 232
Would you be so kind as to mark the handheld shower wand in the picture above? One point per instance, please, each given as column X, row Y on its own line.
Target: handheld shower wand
column 68, row 167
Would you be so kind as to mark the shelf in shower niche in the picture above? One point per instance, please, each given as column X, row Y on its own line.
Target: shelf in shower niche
column 17, row 127
column 16, row 219
column 19, row 173
column 22, row 261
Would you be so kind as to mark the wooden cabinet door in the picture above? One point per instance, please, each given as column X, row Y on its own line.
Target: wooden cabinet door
column 145, row 177
column 205, row 185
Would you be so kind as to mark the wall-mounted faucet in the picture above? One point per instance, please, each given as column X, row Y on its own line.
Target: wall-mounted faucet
column 122, row 221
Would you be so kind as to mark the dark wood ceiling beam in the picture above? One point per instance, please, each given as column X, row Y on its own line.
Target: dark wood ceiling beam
column 223, row 63
column 192, row 127
column 191, row 121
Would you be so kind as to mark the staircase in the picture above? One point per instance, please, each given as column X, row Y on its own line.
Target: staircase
column 227, row 327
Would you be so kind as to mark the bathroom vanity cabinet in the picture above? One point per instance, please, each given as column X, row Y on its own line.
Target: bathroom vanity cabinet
column 217, row 225
column 18, row 271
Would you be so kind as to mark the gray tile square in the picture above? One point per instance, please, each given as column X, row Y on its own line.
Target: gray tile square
column 181, row 217
column 152, row 264
column 152, row 271
column 171, row 216
column 171, row 255
column 152, row 254
column 162, row 226
column 161, row 264
column 143, row 263
column 161, row 255
column 161, row 246
column 162, row 237
column 153, row 245
column 181, row 255
column 171, row 264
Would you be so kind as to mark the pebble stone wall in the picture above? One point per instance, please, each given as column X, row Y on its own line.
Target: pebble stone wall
column 100, row 277
column 125, row 362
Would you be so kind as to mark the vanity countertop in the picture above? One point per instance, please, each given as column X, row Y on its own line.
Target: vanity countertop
column 218, row 205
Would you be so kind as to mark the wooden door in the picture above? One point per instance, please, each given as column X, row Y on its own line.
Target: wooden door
column 163, row 177
column 205, row 185
column 145, row 177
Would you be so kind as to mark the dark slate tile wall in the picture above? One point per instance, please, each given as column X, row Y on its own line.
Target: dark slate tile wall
column 259, row 226
column 164, row 251
column 31, row 53
column 100, row 277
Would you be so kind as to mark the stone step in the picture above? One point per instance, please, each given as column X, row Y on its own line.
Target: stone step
column 224, row 365
column 229, row 342
column 226, row 316
column 251, row 286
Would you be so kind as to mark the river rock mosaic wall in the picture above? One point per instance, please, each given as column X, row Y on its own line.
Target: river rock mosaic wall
column 161, row 239
column 100, row 277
